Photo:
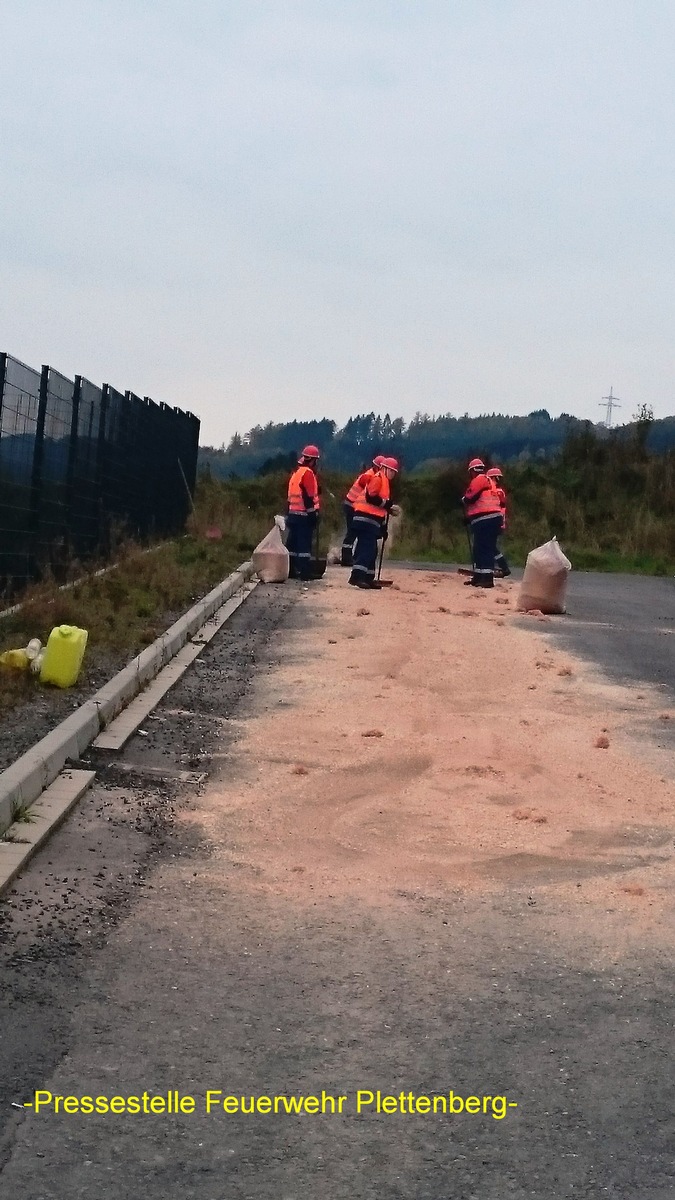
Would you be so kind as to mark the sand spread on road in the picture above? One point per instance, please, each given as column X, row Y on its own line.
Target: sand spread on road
column 428, row 740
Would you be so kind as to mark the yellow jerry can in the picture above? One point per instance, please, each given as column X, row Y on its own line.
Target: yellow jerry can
column 14, row 658
column 63, row 655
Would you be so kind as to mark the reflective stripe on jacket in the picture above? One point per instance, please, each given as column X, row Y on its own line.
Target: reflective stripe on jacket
column 359, row 485
column 303, row 492
column 376, row 499
column 480, row 498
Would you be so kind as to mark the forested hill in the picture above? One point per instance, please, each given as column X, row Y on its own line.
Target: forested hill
column 425, row 443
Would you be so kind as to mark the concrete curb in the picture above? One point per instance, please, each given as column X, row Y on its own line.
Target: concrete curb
column 27, row 778
column 53, row 806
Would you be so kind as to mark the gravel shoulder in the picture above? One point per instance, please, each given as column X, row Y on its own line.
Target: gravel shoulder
column 258, row 898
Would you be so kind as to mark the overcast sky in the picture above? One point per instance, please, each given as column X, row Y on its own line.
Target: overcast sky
column 276, row 209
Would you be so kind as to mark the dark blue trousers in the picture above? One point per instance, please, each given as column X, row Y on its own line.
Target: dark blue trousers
column 299, row 544
column 367, row 530
column 348, row 540
column 484, row 534
column 501, row 563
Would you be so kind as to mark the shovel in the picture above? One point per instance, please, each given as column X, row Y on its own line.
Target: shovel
column 383, row 582
column 318, row 566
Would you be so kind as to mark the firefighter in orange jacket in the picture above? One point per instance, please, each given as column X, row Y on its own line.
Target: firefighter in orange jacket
column 303, row 513
column 370, row 523
column 484, row 516
column 355, row 493
column 495, row 474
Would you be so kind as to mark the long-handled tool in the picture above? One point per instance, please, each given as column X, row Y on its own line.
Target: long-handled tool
column 470, row 570
column 467, row 570
column 384, row 582
column 318, row 564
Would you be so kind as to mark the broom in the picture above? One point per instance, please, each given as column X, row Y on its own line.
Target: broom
column 469, row 570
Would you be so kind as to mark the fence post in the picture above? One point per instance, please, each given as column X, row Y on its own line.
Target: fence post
column 102, row 499
column 137, row 450
column 38, row 456
column 3, row 372
column 72, row 458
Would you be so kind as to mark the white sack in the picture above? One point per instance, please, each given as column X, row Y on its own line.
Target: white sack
column 270, row 558
column 545, row 579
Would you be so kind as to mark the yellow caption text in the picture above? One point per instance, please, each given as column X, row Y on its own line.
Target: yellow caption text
column 364, row 1102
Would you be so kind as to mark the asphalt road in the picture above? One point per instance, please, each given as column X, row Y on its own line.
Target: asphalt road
column 622, row 623
column 126, row 967
column 625, row 624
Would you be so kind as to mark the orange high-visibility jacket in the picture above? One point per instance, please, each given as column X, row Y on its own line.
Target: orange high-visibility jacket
column 480, row 498
column 303, row 492
column 359, row 486
column 376, row 500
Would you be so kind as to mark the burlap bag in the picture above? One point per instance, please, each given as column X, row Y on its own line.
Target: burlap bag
column 545, row 579
column 270, row 558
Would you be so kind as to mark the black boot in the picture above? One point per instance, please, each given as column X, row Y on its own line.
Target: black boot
column 346, row 557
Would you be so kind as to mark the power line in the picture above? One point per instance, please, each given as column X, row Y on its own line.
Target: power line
column 610, row 403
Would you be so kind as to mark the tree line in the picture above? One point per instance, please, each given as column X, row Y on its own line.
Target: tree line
column 424, row 444
column 608, row 496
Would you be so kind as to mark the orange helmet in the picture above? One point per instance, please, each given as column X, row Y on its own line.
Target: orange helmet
column 379, row 460
column 494, row 473
column 392, row 463
column 310, row 452
column 476, row 464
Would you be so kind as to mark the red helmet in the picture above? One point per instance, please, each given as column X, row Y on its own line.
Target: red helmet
column 392, row 463
column 379, row 460
column 494, row 473
column 311, row 452
column 476, row 464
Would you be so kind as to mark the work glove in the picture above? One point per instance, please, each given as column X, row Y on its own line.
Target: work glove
column 395, row 510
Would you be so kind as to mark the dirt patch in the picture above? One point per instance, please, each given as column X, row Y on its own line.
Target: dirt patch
column 360, row 962
column 419, row 811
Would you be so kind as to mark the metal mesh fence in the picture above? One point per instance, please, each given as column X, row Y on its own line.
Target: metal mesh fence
column 81, row 463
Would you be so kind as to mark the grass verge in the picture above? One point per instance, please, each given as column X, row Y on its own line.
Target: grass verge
column 409, row 547
column 130, row 605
